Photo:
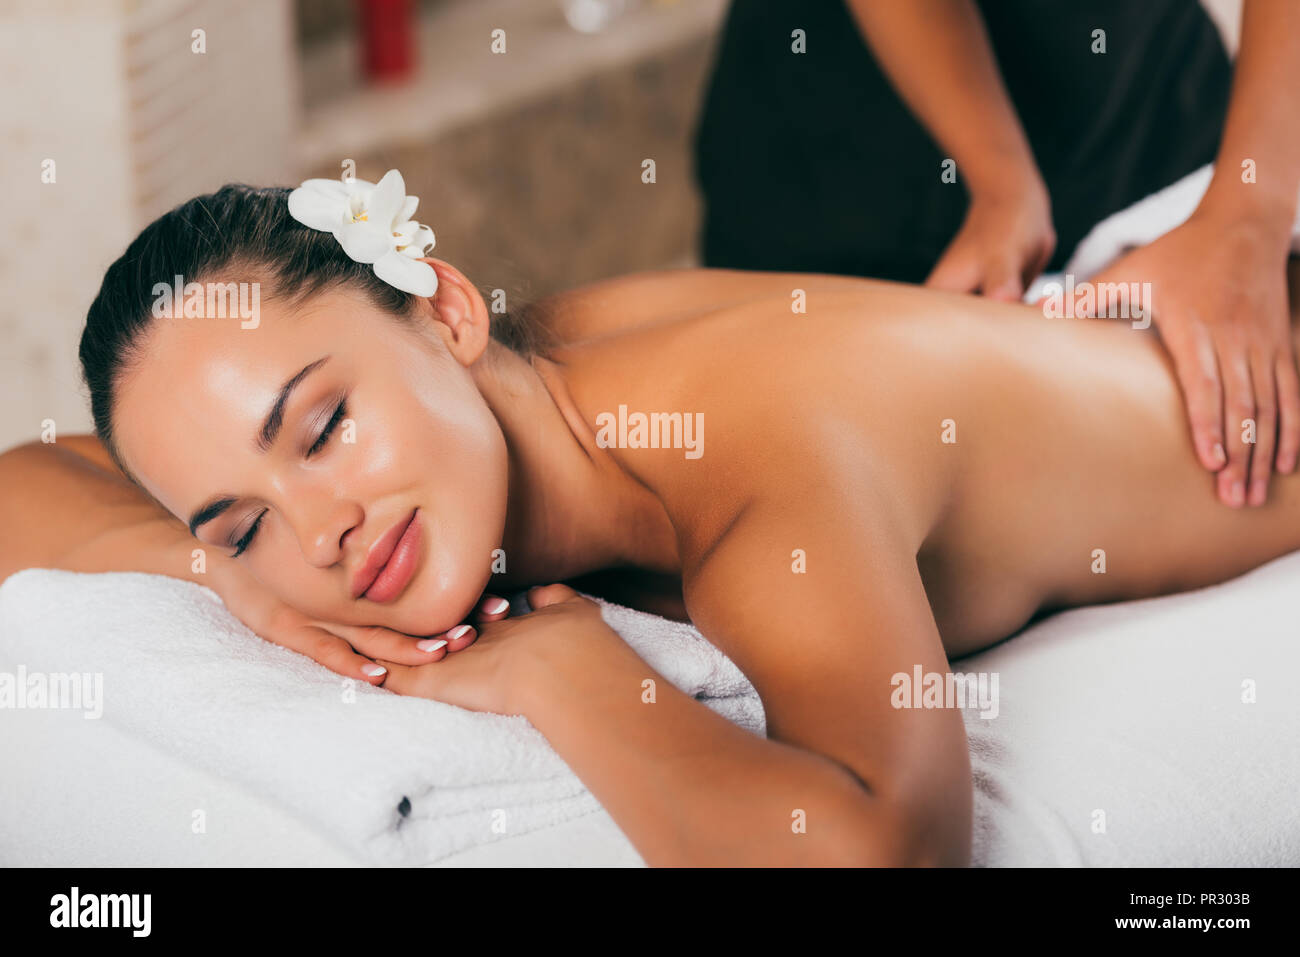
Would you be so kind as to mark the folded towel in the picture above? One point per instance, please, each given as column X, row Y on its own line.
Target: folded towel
column 399, row 780
column 1160, row 732
column 1145, row 222
column 1138, row 225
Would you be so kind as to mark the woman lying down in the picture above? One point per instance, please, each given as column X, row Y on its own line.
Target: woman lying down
column 891, row 479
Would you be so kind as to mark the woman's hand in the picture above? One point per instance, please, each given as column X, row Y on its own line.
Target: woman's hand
column 1004, row 243
column 367, row 653
column 1219, row 299
column 514, row 657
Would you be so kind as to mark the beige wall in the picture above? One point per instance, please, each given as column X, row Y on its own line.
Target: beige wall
column 529, row 175
column 135, row 121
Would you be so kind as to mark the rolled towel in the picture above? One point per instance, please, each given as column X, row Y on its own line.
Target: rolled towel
column 399, row 780
column 1144, row 222
column 1158, row 732
column 1138, row 225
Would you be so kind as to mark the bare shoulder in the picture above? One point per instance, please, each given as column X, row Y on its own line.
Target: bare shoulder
column 89, row 447
column 636, row 300
column 84, row 446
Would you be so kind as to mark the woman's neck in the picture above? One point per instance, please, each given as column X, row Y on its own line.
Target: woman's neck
column 572, row 509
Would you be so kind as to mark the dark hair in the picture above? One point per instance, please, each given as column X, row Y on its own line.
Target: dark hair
column 236, row 228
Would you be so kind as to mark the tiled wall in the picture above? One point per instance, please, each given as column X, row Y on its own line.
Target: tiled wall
column 135, row 121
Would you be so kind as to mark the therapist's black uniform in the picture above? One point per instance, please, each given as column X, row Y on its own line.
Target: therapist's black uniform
column 810, row 161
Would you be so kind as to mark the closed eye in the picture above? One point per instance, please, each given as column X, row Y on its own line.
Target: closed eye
column 340, row 412
column 241, row 546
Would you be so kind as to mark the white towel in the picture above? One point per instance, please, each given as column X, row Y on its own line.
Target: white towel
column 1138, row 225
column 1161, row 733
column 181, row 672
column 1124, row 735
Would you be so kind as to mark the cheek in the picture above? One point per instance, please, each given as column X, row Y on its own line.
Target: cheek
column 281, row 569
column 465, row 520
column 444, row 453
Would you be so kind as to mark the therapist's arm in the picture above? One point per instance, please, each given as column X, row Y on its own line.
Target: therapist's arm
column 1218, row 282
column 956, row 92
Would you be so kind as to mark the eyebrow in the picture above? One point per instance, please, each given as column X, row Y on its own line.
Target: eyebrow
column 266, row 437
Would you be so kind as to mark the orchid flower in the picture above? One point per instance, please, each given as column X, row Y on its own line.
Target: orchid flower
column 373, row 224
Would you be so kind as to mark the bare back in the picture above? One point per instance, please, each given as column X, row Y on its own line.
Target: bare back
column 1030, row 463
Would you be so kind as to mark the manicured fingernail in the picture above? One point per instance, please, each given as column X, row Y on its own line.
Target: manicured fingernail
column 496, row 606
column 1238, row 494
column 1217, row 454
column 457, row 632
column 1258, row 492
column 373, row 671
column 431, row 644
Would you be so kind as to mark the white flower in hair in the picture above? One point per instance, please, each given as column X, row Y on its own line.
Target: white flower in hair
column 373, row 224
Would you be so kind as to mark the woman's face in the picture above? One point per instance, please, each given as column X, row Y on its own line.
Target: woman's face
column 413, row 433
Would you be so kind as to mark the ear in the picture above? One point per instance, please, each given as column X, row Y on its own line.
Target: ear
column 461, row 313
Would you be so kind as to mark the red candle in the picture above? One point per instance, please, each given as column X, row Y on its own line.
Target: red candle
column 387, row 40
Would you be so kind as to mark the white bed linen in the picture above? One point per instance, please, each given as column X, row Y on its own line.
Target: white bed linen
column 1136, row 710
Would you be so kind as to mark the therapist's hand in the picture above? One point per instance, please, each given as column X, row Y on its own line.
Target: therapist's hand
column 1219, row 300
column 1004, row 243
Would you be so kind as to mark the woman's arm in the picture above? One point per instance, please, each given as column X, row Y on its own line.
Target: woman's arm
column 844, row 778
column 63, row 505
column 822, row 646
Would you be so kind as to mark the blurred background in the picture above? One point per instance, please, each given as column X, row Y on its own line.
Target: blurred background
column 528, row 163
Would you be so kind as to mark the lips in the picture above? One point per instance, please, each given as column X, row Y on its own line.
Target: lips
column 390, row 561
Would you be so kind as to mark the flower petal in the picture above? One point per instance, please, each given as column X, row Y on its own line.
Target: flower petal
column 366, row 241
column 408, row 208
column 424, row 239
column 387, row 199
column 409, row 275
column 357, row 185
column 404, row 233
column 333, row 187
column 415, row 240
column 317, row 208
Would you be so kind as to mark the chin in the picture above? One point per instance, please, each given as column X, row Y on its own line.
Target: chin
column 434, row 603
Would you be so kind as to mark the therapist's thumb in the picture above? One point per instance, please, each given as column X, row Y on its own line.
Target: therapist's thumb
column 956, row 271
column 1003, row 283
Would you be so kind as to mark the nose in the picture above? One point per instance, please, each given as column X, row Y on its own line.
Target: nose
column 321, row 523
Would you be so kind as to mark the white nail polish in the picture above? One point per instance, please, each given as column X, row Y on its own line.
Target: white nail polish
column 497, row 607
column 431, row 644
column 373, row 671
column 457, row 632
